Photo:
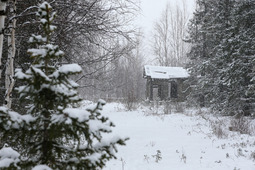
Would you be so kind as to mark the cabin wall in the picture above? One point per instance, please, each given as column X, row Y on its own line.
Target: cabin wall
column 165, row 89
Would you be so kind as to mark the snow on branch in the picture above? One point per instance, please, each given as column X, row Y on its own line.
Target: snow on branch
column 10, row 119
column 70, row 69
column 8, row 156
column 41, row 167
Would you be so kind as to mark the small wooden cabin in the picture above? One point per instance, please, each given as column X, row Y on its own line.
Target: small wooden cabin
column 165, row 83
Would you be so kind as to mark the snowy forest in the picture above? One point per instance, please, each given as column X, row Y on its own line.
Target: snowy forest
column 222, row 55
column 73, row 86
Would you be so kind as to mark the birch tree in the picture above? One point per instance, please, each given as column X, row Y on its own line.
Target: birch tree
column 9, row 72
column 169, row 34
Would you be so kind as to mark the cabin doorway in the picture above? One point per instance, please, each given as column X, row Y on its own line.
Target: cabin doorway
column 173, row 89
column 155, row 92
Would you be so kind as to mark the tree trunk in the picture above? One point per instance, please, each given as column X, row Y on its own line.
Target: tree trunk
column 9, row 73
column 2, row 18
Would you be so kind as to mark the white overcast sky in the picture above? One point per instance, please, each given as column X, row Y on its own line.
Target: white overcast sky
column 151, row 11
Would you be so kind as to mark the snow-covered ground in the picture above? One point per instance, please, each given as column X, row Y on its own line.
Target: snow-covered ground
column 176, row 142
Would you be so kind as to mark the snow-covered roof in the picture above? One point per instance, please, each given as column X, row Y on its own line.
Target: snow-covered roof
column 160, row 72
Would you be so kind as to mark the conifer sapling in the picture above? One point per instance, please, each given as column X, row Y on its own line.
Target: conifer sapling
column 53, row 132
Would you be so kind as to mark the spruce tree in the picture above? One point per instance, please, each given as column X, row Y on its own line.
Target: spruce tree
column 204, row 36
column 53, row 131
column 239, row 59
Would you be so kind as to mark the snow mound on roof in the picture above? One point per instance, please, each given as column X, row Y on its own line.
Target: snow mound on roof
column 160, row 72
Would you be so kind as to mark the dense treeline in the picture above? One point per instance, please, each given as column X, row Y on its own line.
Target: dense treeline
column 222, row 55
